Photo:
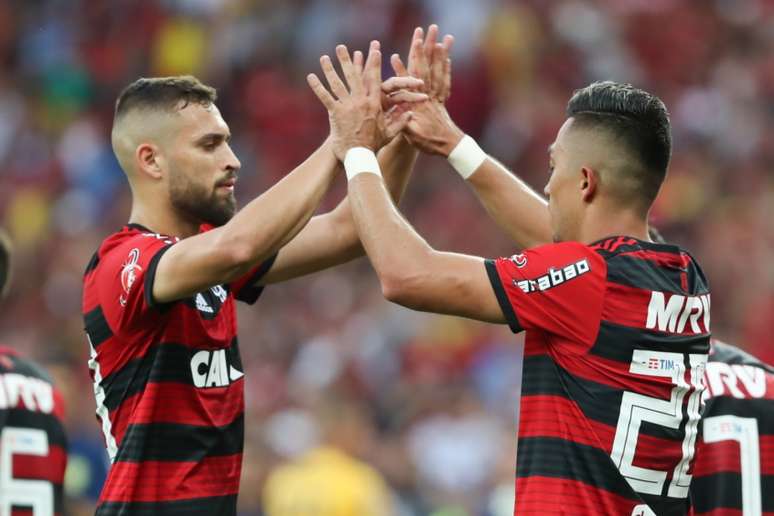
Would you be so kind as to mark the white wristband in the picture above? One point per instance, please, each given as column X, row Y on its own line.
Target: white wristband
column 360, row 159
column 467, row 156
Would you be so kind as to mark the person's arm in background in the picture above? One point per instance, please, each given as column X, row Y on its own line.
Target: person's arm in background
column 510, row 202
column 331, row 238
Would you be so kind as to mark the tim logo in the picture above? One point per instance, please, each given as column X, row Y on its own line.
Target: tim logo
column 129, row 274
column 660, row 364
column 213, row 369
column 553, row 277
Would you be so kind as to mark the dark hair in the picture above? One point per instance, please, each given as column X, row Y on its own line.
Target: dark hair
column 5, row 261
column 164, row 93
column 635, row 119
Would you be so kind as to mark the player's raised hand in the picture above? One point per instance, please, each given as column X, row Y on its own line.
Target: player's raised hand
column 355, row 109
column 428, row 60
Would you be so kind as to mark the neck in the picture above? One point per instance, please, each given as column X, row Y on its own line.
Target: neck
column 162, row 219
column 601, row 222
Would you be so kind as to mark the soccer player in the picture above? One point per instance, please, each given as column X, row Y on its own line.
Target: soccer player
column 33, row 445
column 617, row 327
column 159, row 294
column 734, row 469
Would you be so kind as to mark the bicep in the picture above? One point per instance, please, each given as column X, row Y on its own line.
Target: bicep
column 195, row 264
column 449, row 283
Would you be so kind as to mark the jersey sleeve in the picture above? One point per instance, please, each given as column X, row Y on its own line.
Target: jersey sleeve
column 126, row 276
column 556, row 288
column 246, row 288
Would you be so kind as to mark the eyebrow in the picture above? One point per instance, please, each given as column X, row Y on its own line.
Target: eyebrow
column 213, row 137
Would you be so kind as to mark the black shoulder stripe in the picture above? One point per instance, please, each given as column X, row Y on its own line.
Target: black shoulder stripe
column 211, row 506
column 174, row 442
column 92, row 263
column 97, row 326
column 150, row 277
column 644, row 274
column 502, row 297
column 251, row 291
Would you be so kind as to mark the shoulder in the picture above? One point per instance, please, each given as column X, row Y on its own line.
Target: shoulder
column 729, row 354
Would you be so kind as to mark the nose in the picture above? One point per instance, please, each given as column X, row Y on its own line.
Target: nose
column 232, row 162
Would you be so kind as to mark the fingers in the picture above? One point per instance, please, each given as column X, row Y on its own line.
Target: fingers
column 372, row 72
column 430, row 39
column 402, row 98
column 353, row 77
column 399, row 83
column 397, row 65
column 448, row 42
column 337, row 87
column 417, row 64
column 317, row 87
column 357, row 61
column 437, row 70
column 396, row 121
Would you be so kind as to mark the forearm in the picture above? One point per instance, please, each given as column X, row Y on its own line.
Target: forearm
column 265, row 224
column 331, row 239
column 393, row 247
column 512, row 204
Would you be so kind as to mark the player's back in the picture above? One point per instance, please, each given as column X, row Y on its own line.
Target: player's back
column 734, row 469
column 617, row 339
column 33, row 446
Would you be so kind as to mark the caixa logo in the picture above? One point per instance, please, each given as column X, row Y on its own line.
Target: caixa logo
column 554, row 277
column 212, row 369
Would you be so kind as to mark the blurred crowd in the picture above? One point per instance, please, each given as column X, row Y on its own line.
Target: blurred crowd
column 423, row 406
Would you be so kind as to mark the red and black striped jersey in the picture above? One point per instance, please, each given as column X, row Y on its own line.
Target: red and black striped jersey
column 33, row 445
column 617, row 336
column 167, row 381
column 734, row 470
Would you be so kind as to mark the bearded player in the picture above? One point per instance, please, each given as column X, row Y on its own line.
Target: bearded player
column 159, row 294
column 617, row 327
column 33, row 445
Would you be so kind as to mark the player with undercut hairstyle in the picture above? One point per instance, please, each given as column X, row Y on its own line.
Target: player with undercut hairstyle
column 617, row 326
column 159, row 294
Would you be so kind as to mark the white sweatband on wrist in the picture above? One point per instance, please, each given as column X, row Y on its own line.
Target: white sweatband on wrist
column 467, row 156
column 361, row 159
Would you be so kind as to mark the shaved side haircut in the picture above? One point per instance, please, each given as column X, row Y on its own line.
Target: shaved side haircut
column 164, row 93
column 637, row 123
column 147, row 100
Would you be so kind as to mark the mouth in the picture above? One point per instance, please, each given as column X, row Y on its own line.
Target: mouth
column 227, row 185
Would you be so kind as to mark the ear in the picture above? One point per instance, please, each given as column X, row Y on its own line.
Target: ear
column 149, row 160
column 589, row 183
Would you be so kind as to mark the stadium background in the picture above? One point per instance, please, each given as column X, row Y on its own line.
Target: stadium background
column 430, row 401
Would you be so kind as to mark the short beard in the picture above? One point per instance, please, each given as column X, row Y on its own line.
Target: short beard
column 194, row 203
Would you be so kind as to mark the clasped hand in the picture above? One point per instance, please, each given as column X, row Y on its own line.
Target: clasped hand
column 365, row 112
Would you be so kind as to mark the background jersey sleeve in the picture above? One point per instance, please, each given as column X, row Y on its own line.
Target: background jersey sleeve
column 125, row 281
column 557, row 288
column 246, row 288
